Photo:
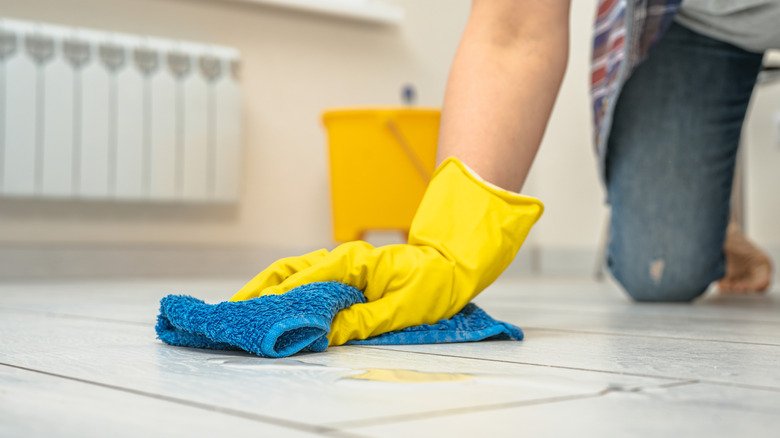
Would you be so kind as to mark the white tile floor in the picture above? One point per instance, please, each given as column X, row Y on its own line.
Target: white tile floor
column 81, row 359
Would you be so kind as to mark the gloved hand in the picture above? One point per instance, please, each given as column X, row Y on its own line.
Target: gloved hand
column 465, row 233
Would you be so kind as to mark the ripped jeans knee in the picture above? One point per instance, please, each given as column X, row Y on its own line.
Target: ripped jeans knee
column 658, row 279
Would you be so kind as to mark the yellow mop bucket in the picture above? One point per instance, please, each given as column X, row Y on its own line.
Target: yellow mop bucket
column 381, row 160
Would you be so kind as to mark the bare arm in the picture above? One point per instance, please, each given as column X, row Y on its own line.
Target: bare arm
column 502, row 86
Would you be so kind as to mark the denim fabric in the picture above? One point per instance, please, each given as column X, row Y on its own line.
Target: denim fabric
column 624, row 32
column 670, row 163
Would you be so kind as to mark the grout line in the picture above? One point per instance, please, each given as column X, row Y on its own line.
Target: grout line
column 714, row 382
column 290, row 424
column 601, row 312
column 676, row 384
column 525, row 363
column 641, row 388
column 79, row 317
column 498, row 406
column 742, row 385
column 678, row 379
column 636, row 335
column 591, row 332
column 464, row 410
column 143, row 324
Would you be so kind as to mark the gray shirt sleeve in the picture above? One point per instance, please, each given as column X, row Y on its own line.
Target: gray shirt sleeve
column 753, row 25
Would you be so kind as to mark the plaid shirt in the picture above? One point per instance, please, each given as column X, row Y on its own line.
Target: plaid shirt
column 625, row 31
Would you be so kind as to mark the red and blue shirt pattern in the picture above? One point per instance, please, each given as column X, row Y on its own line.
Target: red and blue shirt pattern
column 625, row 31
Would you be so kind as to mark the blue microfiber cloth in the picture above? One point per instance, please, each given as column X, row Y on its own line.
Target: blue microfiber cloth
column 282, row 325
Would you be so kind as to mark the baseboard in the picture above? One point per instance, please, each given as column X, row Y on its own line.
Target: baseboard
column 774, row 254
column 569, row 261
column 525, row 263
column 590, row 262
column 44, row 262
column 555, row 262
column 56, row 262
column 75, row 261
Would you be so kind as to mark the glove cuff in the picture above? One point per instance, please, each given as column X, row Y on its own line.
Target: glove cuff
column 507, row 195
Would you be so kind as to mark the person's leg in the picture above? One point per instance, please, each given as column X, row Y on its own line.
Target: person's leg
column 670, row 165
column 748, row 268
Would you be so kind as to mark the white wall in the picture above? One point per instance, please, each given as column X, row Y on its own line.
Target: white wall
column 565, row 174
column 294, row 65
column 762, row 163
column 297, row 64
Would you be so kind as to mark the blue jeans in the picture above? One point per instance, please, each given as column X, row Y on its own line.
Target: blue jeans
column 670, row 164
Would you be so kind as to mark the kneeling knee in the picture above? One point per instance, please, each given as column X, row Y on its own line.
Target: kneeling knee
column 658, row 283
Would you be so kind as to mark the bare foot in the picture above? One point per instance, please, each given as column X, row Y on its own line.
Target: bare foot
column 748, row 269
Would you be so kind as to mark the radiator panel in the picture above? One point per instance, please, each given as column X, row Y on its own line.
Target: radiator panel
column 20, row 117
column 105, row 116
column 56, row 164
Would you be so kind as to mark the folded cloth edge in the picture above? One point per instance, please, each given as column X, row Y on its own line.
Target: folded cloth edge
column 286, row 328
column 306, row 331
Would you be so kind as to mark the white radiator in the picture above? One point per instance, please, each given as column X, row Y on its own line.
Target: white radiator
column 99, row 115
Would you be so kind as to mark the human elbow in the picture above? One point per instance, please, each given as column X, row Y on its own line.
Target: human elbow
column 509, row 23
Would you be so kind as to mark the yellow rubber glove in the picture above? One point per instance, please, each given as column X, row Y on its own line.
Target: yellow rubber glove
column 465, row 233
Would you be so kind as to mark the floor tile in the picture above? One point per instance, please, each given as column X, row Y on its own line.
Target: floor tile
column 591, row 357
column 39, row 405
column 744, row 364
column 343, row 384
column 586, row 295
column 614, row 321
column 131, row 300
column 698, row 410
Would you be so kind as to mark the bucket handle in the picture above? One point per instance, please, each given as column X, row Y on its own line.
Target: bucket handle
column 407, row 149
